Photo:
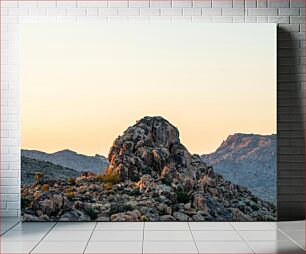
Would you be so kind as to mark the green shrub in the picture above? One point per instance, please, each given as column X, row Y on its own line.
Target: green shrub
column 144, row 218
column 70, row 195
column 112, row 178
column 182, row 195
column 26, row 201
column 108, row 186
column 91, row 212
column 99, row 178
column 71, row 180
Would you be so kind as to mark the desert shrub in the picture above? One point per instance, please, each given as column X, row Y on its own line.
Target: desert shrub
column 255, row 207
column 38, row 176
column 69, row 189
column 182, row 195
column 120, row 208
column 91, row 212
column 70, row 195
column 112, row 178
column 144, row 218
column 108, row 186
column 45, row 187
column 26, row 201
column 99, row 178
column 71, row 180
column 166, row 180
column 135, row 192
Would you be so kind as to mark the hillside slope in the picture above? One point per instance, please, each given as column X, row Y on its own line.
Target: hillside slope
column 51, row 171
column 70, row 159
column 248, row 160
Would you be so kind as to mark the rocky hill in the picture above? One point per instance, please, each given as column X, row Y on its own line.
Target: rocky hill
column 29, row 167
column 248, row 160
column 70, row 159
column 151, row 177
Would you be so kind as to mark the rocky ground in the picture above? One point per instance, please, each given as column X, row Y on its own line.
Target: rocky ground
column 151, row 177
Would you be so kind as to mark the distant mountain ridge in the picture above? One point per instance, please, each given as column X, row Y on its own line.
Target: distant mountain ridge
column 29, row 167
column 248, row 160
column 70, row 159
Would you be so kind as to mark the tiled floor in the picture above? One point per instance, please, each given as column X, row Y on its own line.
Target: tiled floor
column 152, row 237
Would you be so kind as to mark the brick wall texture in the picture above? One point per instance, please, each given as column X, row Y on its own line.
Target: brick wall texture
column 288, row 14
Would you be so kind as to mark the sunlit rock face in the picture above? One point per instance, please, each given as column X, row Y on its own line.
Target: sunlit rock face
column 148, row 147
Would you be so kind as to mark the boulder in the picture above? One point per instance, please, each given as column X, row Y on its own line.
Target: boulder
column 126, row 216
column 51, row 203
column 181, row 216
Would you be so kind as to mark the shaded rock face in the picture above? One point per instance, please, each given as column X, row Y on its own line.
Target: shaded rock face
column 159, row 180
column 248, row 160
column 151, row 146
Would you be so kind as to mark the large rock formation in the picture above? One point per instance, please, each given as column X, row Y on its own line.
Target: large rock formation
column 150, row 152
column 151, row 146
column 151, row 177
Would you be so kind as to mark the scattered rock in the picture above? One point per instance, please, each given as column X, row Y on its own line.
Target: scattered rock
column 157, row 179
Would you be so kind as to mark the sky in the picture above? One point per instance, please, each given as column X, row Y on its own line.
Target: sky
column 82, row 85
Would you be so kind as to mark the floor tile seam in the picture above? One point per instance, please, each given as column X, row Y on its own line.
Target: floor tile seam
column 93, row 230
column 142, row 242
column 245, row 240
column 290, row 238
column 10, row 228
column 42, row 238
column 195, row 243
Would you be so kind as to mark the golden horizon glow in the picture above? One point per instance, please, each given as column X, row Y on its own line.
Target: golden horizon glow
column 83, row 85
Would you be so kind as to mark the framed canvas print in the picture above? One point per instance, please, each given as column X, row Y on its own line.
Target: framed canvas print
column 148, row 122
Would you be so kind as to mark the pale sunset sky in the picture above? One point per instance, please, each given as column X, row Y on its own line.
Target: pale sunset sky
column 83, row 85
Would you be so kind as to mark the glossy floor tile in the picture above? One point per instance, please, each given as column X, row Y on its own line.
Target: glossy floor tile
column 69, row 236
column 167, row 236
column 106, row 236
column 224, row 247
column 253, row 226
column 34, row 226
column 68, row 226
column 17, row 247
column 152, row 237
column 114, row 247
column 166, row 226
column 276, row 247
column 216, row 236
column 60, row 247
column 120, row 226
column 272, row 235
column 169, row 247
column 22, row 236
column 225, row 226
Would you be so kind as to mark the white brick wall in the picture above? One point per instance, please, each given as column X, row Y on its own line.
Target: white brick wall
column 289, row 13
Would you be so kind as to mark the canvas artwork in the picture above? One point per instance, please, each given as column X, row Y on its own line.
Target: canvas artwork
column 148, row 122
